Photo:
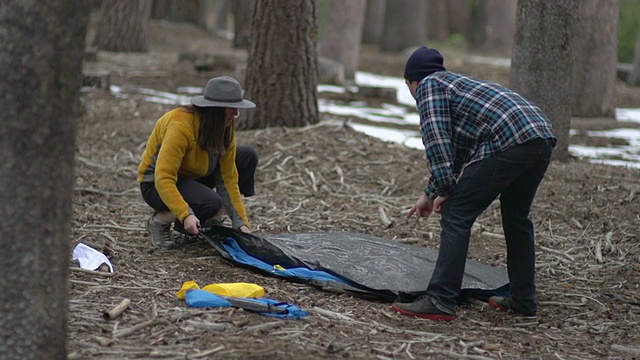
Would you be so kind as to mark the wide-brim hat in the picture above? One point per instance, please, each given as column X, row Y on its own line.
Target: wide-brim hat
column 223, row 91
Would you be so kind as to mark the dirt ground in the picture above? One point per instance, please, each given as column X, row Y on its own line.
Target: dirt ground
column 329, row 177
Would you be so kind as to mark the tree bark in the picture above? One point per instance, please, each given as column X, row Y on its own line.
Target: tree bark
column 343, row 34
column 242, row 14
column 542, row 61
column 437, row 27
column 37, row 141
column 373, row 21
column 178, row 11
column 458, row 16
column 123, row 26
column 404, row 25
column 282, row 70
column 596, row 59
column 492, row 27
column 221, row 12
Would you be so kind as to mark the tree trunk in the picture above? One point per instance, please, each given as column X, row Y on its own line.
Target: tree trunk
column 542, row 61
column 221, row 12
column 343, row 34
column 242, row 14
column 373, row 21
column 493, row 24
column 634, row 76
column 404, row 25
column 437, row 27
column 206, row 16
column 596, row 59
column 458, row 16
column 284, row 90
column 37, row 141
column 178, row 11
column 123, row 26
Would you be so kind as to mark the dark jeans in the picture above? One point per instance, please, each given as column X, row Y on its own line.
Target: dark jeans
column 199, row 193
column 514, row 175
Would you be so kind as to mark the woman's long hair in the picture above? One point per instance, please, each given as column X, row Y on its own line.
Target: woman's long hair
column 213, row 135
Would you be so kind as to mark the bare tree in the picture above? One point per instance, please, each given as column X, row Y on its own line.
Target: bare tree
column 542, row 61
column 282, row 70
column 373, row 21
column 123, row 26
column 437, row 27
column 179, row 11
column 596, row 58
column 458, row 14
column 492, row 26
column 404, row 25
column 221, row 11
column 242, row 14
column 634, row 76
column 343, row 34
column 41, row 64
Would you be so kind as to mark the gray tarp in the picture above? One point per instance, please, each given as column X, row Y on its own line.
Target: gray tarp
column 376, row 267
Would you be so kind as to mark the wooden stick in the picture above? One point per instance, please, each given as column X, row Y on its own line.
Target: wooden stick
column 134, row 328
column 624, row 349
column 116, row 311
column 384, row 218
column 92, row 272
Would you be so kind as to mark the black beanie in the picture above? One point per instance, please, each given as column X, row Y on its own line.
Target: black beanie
column 422, row 63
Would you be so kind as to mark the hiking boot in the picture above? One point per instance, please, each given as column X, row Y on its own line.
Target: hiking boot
column 423, row 307
column 159, row 233
column 507, row 304
column 178, row 226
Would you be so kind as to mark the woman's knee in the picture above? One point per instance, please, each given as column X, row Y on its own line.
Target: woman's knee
column 246, row 157
column 207, row 207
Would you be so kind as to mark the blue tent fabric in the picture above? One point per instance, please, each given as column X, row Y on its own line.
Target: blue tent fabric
column 200, row 298
column 360, row 264
column 238, row 254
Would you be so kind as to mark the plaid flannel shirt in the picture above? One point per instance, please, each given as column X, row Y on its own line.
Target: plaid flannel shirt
column 464, row 120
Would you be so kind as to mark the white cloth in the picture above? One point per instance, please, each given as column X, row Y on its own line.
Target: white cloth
column 90, row 258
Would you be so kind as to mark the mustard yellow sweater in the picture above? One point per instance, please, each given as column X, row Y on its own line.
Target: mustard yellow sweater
column 172, row 151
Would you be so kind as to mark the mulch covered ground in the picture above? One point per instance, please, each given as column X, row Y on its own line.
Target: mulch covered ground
column 328, row 177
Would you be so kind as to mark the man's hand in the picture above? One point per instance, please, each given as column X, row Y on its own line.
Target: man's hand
column 437, row 203
column 191, row 224
column 422, row 208
column 244, row 229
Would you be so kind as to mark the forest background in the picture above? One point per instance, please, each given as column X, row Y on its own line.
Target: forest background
column 587, row 214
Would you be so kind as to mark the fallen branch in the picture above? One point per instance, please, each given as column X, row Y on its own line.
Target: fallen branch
column 100, row 227
column 134, row 328
column 265, row 326
column 109, row 193
column 79, row 282
column 116, row 311
column 92, row 272
column 209, row 326
column 383, row 217
column 207, row 353
column 627, row 350
column 457, row 356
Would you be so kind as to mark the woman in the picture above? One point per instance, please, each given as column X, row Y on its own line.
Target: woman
column 191, row 150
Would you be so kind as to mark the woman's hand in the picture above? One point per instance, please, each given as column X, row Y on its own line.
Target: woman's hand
column 191, row 224
column 244, row 229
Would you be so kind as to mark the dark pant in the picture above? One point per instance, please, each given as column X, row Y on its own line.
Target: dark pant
column 514, row 175
column 199, row 194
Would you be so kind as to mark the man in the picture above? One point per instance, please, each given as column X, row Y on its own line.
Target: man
column 482, row 141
